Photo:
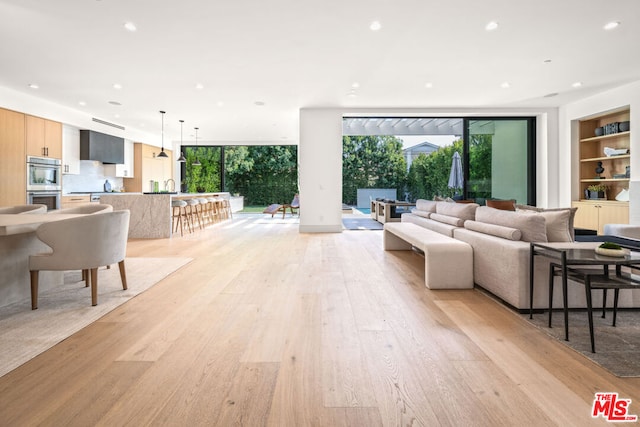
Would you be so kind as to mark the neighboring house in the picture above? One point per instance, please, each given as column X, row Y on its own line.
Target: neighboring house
column 422, row 148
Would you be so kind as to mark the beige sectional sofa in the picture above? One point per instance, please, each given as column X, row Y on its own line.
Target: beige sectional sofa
column 501, row 249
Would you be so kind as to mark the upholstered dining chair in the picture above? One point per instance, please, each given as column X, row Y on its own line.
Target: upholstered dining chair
column 92, row 208
column 24, row 209
column 82, row 243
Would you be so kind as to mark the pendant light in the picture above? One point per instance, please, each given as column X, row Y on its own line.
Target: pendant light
column 162, row 154
column 196, row 163
column 181, row 159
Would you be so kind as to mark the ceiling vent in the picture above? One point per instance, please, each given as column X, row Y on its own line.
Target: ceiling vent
column 107, row 123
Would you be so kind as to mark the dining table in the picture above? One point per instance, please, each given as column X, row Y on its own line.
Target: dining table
column 18, row 241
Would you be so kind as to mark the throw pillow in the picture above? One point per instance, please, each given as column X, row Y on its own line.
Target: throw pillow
column 446, row 219
column 493, row 230
column 426, row 205
column 532, row 226
column 572, row 215
column 463, row 211
column 423, row 214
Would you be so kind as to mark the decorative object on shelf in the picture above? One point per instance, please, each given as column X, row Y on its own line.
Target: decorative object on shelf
column 181, row 159
column 611, row 249
column 599, row 170
column 107, row 186
column 624, row 126
column 611, row 128
column 197, row 162
column 627, row 171
column 619, row 176
column 623, row 195
column 599, row 131
column 597, row 192
column 608, row 151
column 162, row 154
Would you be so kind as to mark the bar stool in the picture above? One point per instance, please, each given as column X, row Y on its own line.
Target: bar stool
column 192, row 212
column 215, row 209
column 178, row 213
column 226, row 206
column 205, row 209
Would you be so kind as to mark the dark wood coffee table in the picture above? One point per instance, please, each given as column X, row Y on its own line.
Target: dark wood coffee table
column 594, row 270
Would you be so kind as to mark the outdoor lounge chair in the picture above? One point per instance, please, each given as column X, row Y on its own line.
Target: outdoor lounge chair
column 276, row 207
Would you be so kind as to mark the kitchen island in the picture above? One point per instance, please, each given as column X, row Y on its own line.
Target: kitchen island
column 150, row 212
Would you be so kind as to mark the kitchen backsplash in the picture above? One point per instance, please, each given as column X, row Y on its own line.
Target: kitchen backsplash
column 91, row 179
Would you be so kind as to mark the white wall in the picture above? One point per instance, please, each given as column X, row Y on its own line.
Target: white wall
column 320, row 156
column 23, row 103
column 627, row 95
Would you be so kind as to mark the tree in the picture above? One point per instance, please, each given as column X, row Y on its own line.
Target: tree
column 371, row 162
column 429, row 174
column 263, row 174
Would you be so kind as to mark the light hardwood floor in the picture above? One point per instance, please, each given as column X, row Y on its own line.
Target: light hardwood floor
column 268, row 326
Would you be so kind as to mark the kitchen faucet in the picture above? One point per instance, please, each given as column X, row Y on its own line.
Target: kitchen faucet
column 173, row 185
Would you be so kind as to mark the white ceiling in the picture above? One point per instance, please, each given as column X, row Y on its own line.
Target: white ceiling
column 290, row 54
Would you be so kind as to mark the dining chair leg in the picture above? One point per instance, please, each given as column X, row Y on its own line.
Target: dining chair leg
column 34, row 289
column 94, row 286
column 123, row 275
column 86, row 278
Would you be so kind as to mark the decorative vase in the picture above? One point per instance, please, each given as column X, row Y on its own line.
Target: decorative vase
column 599, row 131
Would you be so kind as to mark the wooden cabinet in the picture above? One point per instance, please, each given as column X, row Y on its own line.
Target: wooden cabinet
column 76, row 200
column 148, row 167
column 594, row 214
column 126, row 169
column 13, row 166
column 598, row 137
column 70, row 150
column 43, row 137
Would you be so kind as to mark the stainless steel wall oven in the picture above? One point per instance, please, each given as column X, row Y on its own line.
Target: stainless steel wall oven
column 44, row 174
column 49, row 198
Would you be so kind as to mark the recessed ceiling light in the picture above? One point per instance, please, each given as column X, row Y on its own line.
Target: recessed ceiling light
column 82, row 103
column 611, row 25
column 355, row 85
column 199, row 86
column 428, row 85
column 576, row 84
column 491, row 26
column 505, row 85
column 117, row 86
column 352, row 94
column 547, row 61
column 375, row 26
column 259, row 103
column 130, row 26
column 114, row 103
column 34, row 86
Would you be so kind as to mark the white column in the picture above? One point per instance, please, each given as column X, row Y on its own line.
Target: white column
column 320, row 170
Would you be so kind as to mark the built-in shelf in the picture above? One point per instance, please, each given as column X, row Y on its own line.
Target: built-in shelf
column 605, row 137
column 601, row 159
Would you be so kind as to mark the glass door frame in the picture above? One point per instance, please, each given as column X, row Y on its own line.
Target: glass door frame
column 531, row 152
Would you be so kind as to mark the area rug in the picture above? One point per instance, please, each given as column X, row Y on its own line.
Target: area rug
column 617, row 348
column 361, row 224
column 25, row 333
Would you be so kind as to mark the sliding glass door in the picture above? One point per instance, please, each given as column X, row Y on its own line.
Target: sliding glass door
column 500, row 159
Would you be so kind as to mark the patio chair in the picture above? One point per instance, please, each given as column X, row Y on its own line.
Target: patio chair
column 276, row 207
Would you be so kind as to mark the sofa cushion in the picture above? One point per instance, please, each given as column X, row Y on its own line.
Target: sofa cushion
column 557, row 228
column 426, row 205
column 493, row 229
column 451, row 220
column 424, row 214
column 463, row 211
column 532, row 226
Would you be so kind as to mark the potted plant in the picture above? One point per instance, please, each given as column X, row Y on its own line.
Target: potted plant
column 597, row 191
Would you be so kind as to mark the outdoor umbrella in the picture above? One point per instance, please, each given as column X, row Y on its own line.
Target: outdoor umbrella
column 456, row 180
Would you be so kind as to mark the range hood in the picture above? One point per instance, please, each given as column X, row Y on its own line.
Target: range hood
column 101, row 147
